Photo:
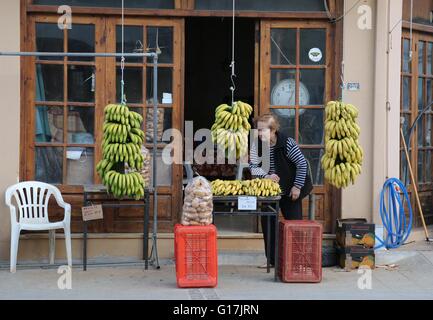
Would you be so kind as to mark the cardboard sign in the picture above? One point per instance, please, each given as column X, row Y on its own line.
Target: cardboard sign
column 92, row 213
column 247, row 203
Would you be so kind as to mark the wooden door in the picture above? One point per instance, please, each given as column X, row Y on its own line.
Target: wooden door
column 63, row 107
column 295, row 83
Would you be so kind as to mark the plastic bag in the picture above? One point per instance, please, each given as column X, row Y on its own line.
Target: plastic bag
column 198, row 203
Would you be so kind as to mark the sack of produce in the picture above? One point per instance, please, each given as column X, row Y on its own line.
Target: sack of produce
column 197, row 205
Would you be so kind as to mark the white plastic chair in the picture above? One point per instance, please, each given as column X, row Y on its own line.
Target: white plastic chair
column 32, row 199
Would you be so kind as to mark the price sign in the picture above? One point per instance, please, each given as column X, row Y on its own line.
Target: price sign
column 92, row 213
column 247, row 203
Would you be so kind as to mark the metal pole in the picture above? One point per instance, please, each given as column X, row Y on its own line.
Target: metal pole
column 155, row 184
column 76, row 54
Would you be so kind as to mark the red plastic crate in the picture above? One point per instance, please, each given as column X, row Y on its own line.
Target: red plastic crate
column 300, row 254
column 196, row 256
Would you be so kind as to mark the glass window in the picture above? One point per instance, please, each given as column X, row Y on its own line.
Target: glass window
column 164, row 122
column 260, row 5
column 430, row 58
column 49, row 82
column 49, row 164
column 164, row 171
column 133, row 85
column 147, row 4
column 313, row 46
column 49, row 124
column 312, row 87
column 283, row 87
column 81, row 83
column 406, row 56
column 49, row 38
column 162, row 38
column 133, row 42
column 311, row 125
column 406, row 93
column 313, row 156
column 165, row 85
column 421, row 57
column 81, row 38
column 81, row 125
column 80, row 164
column 283, row 46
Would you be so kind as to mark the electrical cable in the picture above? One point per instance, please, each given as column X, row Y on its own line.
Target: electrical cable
column 334, row 20
column 392, row 198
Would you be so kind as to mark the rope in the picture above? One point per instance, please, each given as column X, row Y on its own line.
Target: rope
column 393, row 215
column 232, row 65
column 122, row 61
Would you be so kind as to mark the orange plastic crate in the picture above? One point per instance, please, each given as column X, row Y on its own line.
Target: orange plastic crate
column 300, row 254
column 196, row 256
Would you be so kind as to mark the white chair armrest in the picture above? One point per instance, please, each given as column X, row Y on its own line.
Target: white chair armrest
column 61, row 203
column 12, row 209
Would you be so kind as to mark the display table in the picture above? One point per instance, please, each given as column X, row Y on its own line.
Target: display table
column 266, row 206
column 90, row 191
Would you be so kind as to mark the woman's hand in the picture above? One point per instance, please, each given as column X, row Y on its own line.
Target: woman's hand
column 273, row 177
column 295, row 193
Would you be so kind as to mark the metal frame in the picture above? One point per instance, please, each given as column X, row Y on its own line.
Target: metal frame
column 272, row 204
column 92, row 190
column 154, row 55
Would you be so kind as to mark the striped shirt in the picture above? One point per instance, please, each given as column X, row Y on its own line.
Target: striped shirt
column 293, row 153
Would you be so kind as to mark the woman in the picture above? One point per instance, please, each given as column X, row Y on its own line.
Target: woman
column 287, row 166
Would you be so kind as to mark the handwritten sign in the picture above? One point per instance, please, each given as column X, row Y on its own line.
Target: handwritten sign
column 247, row 203
column 92, row 213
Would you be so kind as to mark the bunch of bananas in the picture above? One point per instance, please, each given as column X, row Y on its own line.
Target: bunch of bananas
column 231, row 128
column 255, row 187
column 129, row 184
column 121, row 145
column 342, row 161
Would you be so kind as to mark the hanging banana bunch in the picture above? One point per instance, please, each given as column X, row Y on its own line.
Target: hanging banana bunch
column 121, row 145
column 231, row 128
column 342, row 161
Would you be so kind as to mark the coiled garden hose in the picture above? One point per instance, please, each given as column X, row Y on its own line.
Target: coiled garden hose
column 392, row 199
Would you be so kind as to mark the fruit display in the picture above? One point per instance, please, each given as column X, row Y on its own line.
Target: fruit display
column 198, row 203
column 254, row 187
column 145, row 170
column 231, row 128
column 121, row 146
column 342, row 161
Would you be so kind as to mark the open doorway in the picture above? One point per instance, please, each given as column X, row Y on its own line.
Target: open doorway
column 208, row 54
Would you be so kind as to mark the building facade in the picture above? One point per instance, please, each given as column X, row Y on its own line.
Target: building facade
column 373, row 54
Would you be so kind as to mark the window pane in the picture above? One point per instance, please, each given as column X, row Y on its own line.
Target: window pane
column 164, row 171
column 81, row 125
column 420, row 130
column 430, row 58
column 49, row 82
column 420, row 94
column 147, row 4
column 312, row 87
column 164, row 123
column 81, row 38
column 420, row 167
column 49, row 38
column 286, row 118
column 421, row 57
column 406, row 66
column 133, row 85
column 283, row 87
column 283, row 46
column 49, row 165
column 133, row 41
column 80, row 164
column 406, row 124
column 260, row 5
column 428, row 119
column 403, row 168
column 49, row 124
column 165, row 85
column 313, row 46
column 406, row 93
column 311, row 126
column 81, row 83
column 313, row 156
column 161, row 37
column 428, row 168
column 429, row 91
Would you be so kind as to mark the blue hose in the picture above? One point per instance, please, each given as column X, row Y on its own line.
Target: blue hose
column 393, row 216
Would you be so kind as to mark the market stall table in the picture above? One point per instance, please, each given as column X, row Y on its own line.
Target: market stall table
column 92, row 190
column 265, row 206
